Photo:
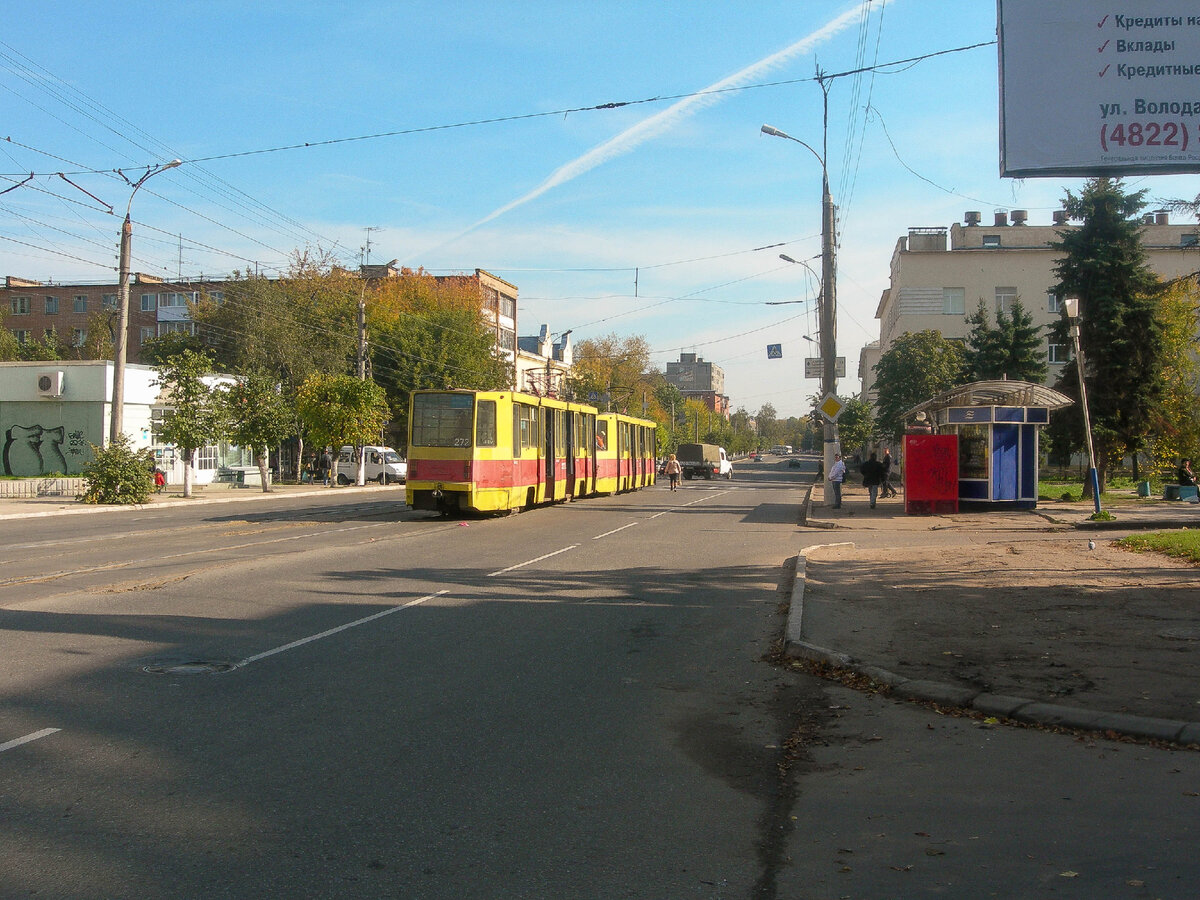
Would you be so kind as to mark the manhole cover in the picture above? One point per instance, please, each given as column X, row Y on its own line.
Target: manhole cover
column 190, row 667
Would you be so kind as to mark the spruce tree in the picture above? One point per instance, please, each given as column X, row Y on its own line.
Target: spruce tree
column 1104, row 265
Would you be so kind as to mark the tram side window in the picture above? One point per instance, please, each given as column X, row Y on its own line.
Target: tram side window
column 525, row 427
column 560, row 433
column 601, row 434
column 485, row 423
column 442, row 420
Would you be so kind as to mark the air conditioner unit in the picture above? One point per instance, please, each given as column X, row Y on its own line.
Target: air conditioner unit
column 50, row 384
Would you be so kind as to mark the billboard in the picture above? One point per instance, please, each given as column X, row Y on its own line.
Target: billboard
column 1088, row 91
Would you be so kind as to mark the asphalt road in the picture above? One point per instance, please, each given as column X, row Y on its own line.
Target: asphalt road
column 338, row 697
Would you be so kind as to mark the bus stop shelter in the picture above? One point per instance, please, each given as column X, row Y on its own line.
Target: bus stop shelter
column 995, row 425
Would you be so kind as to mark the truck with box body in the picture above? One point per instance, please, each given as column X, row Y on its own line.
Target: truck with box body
column 704, row 461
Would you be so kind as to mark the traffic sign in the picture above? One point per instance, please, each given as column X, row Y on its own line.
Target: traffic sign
column 815, row 368
column 831, row 407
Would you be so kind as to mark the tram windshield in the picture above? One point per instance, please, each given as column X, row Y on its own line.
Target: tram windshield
column 442, row 420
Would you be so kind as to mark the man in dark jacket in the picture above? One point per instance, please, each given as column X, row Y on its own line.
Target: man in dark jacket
column 886, row 489
column 872, row 473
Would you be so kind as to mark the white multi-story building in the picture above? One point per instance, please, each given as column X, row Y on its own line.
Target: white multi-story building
column 936, row 284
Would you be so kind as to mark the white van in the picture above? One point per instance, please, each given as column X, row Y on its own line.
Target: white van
column 383, row 464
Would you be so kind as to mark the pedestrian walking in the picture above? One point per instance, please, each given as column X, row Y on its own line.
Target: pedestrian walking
column 673, row 470
column 872, row 473
column 886, row 489
column 325, row 466
column 837, row 474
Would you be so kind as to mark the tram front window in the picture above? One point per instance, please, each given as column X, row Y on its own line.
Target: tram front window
column 442, row 420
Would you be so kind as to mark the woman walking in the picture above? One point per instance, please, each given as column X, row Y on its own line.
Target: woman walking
column 673, row 470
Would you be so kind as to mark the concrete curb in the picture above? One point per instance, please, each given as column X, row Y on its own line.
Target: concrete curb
column 1019, row 709
column 75, row 508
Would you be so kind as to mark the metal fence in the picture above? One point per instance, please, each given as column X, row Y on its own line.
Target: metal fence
column 41, row 487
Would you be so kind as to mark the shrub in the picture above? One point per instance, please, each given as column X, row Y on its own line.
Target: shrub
column 118, row 474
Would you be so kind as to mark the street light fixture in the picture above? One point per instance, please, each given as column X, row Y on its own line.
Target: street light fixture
column 121, row 338
column 828, row 295
column 1071, row 305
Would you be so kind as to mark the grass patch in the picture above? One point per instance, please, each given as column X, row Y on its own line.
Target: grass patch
column 1183, row 544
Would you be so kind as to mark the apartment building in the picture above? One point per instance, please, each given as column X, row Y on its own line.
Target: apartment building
column 34, row 309
column 939, row 275
column 700, row 380
column 157, row 307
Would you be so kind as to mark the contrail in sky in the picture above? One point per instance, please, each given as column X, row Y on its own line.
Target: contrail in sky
column 656, row 124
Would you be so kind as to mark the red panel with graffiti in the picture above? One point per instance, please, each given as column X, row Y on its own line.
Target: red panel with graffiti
column 930, row 474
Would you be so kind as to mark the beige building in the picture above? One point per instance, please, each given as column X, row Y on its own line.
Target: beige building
column 939, row 275
column 544, row 364
column 698, row 379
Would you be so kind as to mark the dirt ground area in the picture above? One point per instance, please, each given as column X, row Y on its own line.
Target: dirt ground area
column 1044, row 618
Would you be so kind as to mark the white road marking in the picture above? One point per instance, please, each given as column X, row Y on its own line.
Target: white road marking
column 614, row 531
column 37, row 735
column 692, row 503
column 530, row 562
column 332, row 631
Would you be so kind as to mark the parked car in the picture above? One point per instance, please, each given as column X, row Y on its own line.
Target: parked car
column 383, row 464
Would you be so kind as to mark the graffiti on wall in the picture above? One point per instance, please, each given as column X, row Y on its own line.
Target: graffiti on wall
column 32, row 450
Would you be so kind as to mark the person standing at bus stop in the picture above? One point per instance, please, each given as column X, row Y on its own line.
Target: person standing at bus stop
column 873, row 475
column 837, row 474
column 886, row 488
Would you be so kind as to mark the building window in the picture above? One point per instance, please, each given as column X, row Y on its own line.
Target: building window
column 171, row 327
column 20, row 306
column 991, row 240
column 146, row 333
column 954, row 301
column 172, row 300
column 1057, row 354
column 80, row 303
column 489, row 299
column 108, row 301
column 206, row 457
column 1004, row 299
column 52, row 306
column 50, row 334
column 508, row 306
column 1053, row 303
column 149, row 302
column 506, row 340
column 78, row 337
column 1189, row 240
column 217, row 297
column 22, row 336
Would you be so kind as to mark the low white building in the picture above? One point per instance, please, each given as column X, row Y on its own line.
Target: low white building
column 52, row 413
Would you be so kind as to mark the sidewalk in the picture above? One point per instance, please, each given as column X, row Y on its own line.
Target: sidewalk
column 1034, row 616
column 172, row 495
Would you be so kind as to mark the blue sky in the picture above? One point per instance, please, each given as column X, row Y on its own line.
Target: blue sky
column 643, row 219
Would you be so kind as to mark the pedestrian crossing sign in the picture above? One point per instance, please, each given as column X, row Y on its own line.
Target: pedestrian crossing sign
column 774, row 351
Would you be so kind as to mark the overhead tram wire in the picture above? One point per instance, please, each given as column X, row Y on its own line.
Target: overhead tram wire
column 400, row 132
column 102, row 116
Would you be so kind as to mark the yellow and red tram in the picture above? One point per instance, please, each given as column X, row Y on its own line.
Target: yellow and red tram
column 464, row 456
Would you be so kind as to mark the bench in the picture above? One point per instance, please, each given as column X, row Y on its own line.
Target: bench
column 1179, row 492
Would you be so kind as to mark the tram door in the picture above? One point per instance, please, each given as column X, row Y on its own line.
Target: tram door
column 548, row 415
column 569, row 423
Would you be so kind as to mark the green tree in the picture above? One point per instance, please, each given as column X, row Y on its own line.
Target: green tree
column 98, row 335
column 426, row 333
column 916, row 367
column 770, row 432
column 856, row 425
column 1104, row 264
column 1175, row 429
column 10, row 350
column 1011, row 349
column 340, row 409
column 611, row 367
column 258, row 417
column 194, row 416
column 285, row 328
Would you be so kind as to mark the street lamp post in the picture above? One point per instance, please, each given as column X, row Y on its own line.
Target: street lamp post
column 121, row 338
column 828, row 295
column 1071, row 305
